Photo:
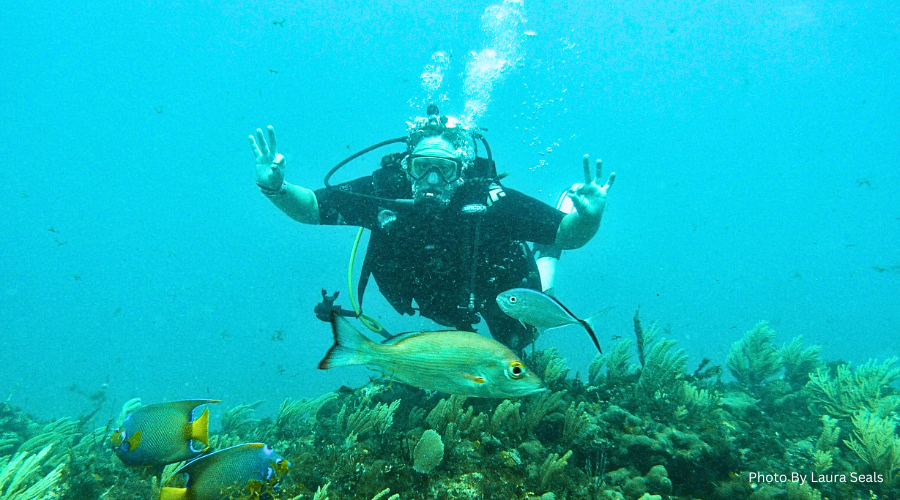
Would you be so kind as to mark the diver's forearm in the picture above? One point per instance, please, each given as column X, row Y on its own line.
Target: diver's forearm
column 299, row 203
column 576, row 230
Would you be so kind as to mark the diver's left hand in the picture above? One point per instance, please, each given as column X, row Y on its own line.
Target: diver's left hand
column 589, row 198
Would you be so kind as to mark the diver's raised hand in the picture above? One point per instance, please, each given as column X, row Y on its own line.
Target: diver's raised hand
column 589, row 200
column 297, row 202
column 269, row 164
column 589, row 197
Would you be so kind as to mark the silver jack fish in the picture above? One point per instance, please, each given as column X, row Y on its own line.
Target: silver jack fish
column 543, row 311
column 454, row 362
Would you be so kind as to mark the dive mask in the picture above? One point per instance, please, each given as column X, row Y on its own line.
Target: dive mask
column 449, row 169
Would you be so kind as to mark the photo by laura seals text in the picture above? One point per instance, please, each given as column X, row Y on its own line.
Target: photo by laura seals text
column 813, row 478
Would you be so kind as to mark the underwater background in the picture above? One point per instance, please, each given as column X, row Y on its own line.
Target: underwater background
column 756, row 151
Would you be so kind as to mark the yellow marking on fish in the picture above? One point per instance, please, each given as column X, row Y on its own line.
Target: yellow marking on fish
column 134, row 441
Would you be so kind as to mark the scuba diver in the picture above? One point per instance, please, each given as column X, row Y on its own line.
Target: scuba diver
column 446, row 236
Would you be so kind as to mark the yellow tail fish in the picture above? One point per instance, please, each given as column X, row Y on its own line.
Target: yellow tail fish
column 253, row 468
column 454, row 362
column 163, row 433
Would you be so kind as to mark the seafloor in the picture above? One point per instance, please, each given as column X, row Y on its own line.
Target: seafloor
column 647, row 430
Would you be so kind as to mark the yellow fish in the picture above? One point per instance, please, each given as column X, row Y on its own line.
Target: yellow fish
column 454, row 362
column 163, row 433
column 252, row 467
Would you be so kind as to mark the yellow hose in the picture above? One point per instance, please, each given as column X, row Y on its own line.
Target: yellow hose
column 370, row 323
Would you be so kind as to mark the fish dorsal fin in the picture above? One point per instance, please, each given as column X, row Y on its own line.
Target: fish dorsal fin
column 564, row 308
column 190, row 403
column 400, row 337
column 202, row 462
column 185, row 406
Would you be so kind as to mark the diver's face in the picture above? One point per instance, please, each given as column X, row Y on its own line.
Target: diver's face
column 434, row 179
column 432, row 191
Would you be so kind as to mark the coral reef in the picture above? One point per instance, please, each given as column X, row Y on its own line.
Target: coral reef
column 875, row 442
column 845, row 391
column 824, row 454
column 662, row 370
column 799, row 362
column 429, row 452
column 641, row 426
column 21, row 479
column 551, row 468
column 549, row 366
column 754, row 359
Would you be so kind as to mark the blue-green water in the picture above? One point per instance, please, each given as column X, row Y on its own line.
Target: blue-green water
column 755, row 146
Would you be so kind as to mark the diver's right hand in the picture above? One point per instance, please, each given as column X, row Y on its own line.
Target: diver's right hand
column 269, row 164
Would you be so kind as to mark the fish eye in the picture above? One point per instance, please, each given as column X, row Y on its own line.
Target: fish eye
column 516, row 370
column 512, row 299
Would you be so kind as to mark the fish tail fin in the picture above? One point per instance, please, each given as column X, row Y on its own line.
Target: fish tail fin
column 169, row 493
column 590, row 330
column 598, row 316
column 200, row 428
column 588, row 325
column 350, row 347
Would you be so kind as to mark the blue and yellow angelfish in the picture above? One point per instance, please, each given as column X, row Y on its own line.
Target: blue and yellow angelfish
column 163, row 433
column 253, row 468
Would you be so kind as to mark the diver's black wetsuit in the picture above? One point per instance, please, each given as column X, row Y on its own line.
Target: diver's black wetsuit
column 426, row 255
